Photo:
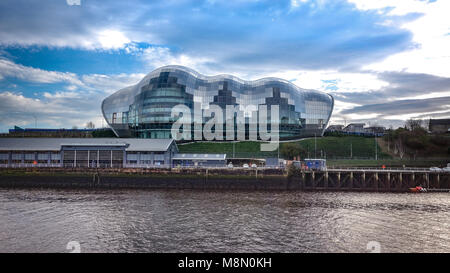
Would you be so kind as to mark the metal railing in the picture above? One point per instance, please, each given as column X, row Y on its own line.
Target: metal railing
column 379, row 169
column 147, row 166
column 31, row 165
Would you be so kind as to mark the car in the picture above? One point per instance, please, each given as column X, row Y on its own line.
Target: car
column 446, row 169
column 435, row 169
column 245, row 166
column 230, row 165
column 254, row 165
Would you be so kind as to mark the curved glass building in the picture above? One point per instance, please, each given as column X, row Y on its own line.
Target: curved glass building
column 144, row 110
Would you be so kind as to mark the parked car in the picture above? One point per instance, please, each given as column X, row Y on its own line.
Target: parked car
column 446, row 169
column 435, row 169
column 245, row 165
column 230, row 165
column 254, row 165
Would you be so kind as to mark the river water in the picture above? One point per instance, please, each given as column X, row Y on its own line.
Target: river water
column 222, row 221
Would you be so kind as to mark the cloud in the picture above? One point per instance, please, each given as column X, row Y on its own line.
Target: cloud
column 55, row 111
column 111, row 83
column 76, row 105
column 403, row 108
column 404, row 95
column 154, row 57
column 400, row 85
column 364, row 52
column 233, row 34
column 57, row 24
column 9, row 69
column 112, row 39
column 429, row 32
column 73, row 2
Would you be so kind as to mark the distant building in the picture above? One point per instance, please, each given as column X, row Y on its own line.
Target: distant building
column 335, row 128
column 375, row 130
column 439, row 126
column 354, row 128
column 199, row 160
column 62, row 132
column 357, row 129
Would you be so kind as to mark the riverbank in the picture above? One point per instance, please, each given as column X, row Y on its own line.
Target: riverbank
column 147, row 178
column 242, row 179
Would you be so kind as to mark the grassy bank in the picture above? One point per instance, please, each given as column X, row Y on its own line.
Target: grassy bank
column 329, row 147
column 346, row 147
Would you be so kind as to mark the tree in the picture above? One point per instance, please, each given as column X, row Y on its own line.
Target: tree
column 74, row 127
column 291, row 150
column 399, row 148
column 90, row 125
column 414, row 124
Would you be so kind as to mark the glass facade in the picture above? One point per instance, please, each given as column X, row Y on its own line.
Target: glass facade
column 144, row 110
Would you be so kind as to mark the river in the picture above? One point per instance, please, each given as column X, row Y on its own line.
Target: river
column 222, row 221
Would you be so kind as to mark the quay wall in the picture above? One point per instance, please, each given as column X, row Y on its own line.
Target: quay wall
column 242, row 179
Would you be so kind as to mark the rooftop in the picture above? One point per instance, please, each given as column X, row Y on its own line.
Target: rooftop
column 54, row 144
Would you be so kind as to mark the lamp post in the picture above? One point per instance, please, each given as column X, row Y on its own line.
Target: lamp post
column 376, row 150
column 351, row 150
column 315, row 146
column 35, row 121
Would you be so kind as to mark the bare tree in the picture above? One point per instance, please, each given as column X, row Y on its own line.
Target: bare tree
column 413, row 124
column 399, row 148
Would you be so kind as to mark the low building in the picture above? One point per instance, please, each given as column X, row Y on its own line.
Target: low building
column 273, row 162
column 335, row 128
column 439, row 126
column 354, row 128
column 100, row 153
column 86, row 152
column 316, row 164
column 375, row 130
column 199, row 160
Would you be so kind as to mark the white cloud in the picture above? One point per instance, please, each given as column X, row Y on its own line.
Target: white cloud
column 112, row 39
column 161, row 56
column 76, row 105
column 430, row 33
column 399, row 7
column 57, row 110
column 297, row 3
column 108, row 83
column 17, row 109
column 111, row 83
column 36, row 75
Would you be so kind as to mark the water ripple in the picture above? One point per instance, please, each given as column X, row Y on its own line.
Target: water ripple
column 222, row 221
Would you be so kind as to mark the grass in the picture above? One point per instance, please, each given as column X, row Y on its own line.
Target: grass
column 345, row 147
column 329, row 147
column 337, row 150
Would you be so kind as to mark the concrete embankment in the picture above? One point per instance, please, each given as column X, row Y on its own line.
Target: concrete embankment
column 157, row 179
column 242, row 179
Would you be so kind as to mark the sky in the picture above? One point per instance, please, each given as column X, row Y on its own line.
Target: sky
column 383, row 61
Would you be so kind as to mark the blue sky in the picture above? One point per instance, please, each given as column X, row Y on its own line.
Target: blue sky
column 383, row 61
